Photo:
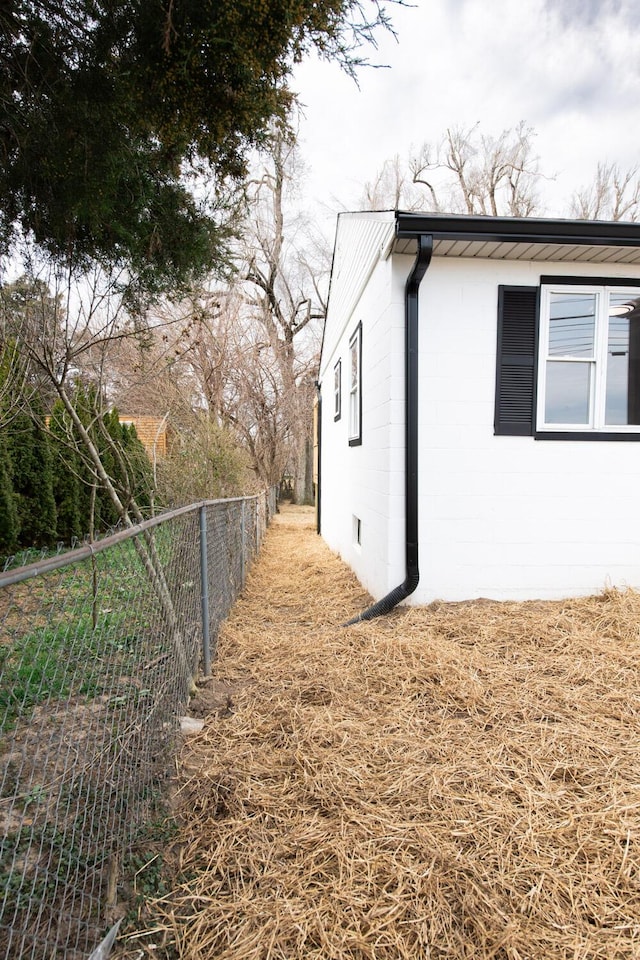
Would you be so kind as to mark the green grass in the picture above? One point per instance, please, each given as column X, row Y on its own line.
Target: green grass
column 86, row 635
column 89, row 630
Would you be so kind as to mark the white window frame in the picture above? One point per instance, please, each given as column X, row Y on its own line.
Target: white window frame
column 337, row 390
column 355, row 388
column 597, row 392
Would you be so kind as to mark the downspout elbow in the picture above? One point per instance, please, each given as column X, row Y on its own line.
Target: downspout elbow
column 388, row 602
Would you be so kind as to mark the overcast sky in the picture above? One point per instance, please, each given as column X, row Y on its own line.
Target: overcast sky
column 568, row 68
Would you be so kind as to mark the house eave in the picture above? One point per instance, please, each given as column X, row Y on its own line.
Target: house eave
column 512, row 238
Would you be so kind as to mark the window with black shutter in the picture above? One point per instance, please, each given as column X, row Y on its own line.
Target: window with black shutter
column 516, row 361
column 585, row 383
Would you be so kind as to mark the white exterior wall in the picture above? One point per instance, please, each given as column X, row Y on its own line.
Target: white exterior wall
column 367, row 481
column 509, row 517
column 500, row 517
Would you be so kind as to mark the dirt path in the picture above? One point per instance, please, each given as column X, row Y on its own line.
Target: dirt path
column 457, row 781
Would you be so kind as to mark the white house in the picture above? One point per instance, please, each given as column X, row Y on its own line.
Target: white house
column 480, row 406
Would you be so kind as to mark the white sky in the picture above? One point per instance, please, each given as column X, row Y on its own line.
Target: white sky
column 568, row 68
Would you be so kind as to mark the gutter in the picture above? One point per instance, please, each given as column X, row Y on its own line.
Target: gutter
column 517, row 230
column 409, row 584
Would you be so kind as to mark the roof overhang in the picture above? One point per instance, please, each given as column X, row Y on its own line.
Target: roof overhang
column 515, row 238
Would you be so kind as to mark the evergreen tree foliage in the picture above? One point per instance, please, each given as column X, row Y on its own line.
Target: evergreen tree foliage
column 107, row 435
column 89, row 504
column 126, row 462
column 105, row 104
column 67, row 471
column 77, row 488
column 33, row 478
column 9, row 523
column 139, row 466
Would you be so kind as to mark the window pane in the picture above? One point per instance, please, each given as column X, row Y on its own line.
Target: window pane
column 622, row 402
column 354, row 415
column 355, row 426
column 572, row 321
column 567, row 393
column 354, row 365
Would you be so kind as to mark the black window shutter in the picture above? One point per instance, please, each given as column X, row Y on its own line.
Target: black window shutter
column 516, row 366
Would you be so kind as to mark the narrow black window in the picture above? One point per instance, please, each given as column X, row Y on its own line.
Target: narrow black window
column 516, row 361
column 355, row 388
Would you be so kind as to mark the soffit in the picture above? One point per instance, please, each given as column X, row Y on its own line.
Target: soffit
column 525, row 250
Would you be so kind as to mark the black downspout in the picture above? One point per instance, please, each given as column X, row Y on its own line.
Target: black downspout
column 401, row 592
column 319, row 465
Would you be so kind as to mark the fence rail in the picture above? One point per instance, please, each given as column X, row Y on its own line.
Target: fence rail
column 98, row 651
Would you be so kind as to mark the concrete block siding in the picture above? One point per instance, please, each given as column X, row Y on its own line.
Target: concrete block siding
column 499, row 516
column 508, row 517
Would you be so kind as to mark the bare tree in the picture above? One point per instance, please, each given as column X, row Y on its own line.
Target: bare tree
column 394, row 187
column 284, row 300
column 467, row 171
column 244, row 356
column 614, row 194
column 496, row 176
column 15, row 387
column 176, row 365
column 27, row 309
column 183, row 370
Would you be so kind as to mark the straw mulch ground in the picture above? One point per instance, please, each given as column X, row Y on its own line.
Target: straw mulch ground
column 456, row 781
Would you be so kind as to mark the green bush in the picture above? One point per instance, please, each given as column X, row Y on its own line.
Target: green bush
column 67, row 470
column 9, row 523
column 32, row 477
column 206, row 463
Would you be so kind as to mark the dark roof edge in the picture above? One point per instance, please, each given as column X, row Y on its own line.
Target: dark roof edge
column 517, row 229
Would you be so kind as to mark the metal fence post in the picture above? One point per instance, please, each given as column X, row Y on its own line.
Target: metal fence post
column 244, row 544
column 204, row 580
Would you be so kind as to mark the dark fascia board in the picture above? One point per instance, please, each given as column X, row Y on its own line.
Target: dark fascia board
column 517, row 229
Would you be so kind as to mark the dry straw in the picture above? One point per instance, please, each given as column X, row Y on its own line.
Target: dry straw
column 455, row 781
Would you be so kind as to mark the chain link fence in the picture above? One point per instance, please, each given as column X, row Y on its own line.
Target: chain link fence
column 98, row 652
